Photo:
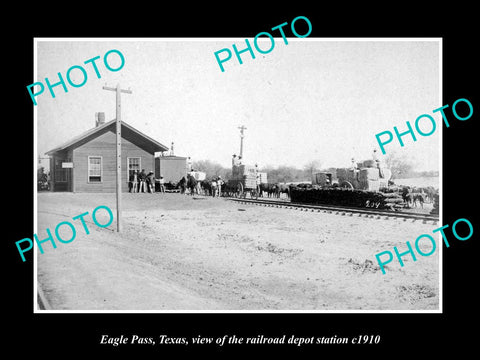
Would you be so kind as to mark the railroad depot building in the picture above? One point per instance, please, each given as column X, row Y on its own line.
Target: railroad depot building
column 87, row 163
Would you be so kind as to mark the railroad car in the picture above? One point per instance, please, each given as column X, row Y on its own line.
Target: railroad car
column 363, row 185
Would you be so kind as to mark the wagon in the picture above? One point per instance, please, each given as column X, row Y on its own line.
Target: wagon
column 243, row 181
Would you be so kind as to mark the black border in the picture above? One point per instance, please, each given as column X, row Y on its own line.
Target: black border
column 69, row 334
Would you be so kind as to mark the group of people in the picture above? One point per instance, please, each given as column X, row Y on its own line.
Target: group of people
column 143, row 182
column 216, row 185
column 378, row 163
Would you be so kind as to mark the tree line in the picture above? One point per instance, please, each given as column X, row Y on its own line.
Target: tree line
column 279, row 174
column 400, row 164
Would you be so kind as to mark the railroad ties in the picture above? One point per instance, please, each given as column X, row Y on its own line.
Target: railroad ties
column 341, row 211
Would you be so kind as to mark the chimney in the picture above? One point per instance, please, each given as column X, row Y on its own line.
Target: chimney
column 171, row 150
column 99, row 118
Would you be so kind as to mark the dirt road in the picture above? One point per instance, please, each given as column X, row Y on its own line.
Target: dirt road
column 178, row 252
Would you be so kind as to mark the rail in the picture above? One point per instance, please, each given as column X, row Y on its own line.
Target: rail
column 341, row 210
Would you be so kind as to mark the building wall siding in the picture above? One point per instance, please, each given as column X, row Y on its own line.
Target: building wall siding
column 172, row 169
column 105, row 146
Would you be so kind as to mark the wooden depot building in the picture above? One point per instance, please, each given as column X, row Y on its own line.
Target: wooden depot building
column 87, row 163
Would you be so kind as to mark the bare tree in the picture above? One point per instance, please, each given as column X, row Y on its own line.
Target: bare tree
column 211, row 169
column 401, row 165
column 311, row 167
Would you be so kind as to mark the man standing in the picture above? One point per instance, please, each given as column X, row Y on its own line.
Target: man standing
column 151, row 182
column 162, row 184
column 219, row 185
column 141, row 178
column 354, row 164
column 132, row 183
column 135, row 181
column 214, row 186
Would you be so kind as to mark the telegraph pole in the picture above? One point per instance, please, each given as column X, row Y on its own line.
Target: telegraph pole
column 118, row 131
column 242, row 128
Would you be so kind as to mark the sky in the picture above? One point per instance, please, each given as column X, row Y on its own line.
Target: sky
column 313, row 99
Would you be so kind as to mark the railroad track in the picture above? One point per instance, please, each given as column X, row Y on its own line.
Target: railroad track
column 342, row 210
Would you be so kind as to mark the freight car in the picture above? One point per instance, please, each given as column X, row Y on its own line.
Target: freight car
column 172, row 169
column 367, row 175
column 363, row 185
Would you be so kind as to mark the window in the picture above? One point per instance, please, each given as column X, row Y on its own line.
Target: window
column 133, row 163
column 94, row 169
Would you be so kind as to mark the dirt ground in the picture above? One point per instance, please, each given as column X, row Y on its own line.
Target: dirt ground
column 180, row 252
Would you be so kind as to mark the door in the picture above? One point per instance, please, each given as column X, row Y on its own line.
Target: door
column 62, row 177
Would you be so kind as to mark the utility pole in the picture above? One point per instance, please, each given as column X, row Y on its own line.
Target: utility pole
column 118, row 132
column 242, row 128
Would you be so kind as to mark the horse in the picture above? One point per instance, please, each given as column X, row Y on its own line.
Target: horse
column 182, row 184
column 207, row 187
column 428, row 193
column 406, row 195
column 191, row 184
column 267, row 188
column 230, row 189
column 417, row 197
column 282, row 189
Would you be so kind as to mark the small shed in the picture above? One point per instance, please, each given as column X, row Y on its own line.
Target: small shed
column 87, row 163
column 172, row 168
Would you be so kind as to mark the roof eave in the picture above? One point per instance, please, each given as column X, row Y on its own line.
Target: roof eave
column 158, row 147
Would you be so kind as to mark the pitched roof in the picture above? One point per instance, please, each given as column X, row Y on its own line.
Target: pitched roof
column 171, row 157
column 128, row 132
